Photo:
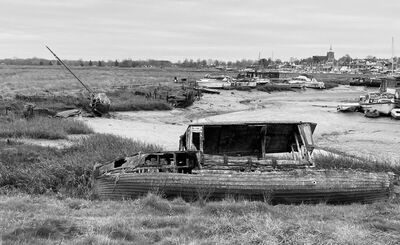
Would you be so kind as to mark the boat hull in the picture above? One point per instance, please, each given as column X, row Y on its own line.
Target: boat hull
column 382, row 108
column 348, row 107
column 395, row 113
column 213, row 84
column 295, row 186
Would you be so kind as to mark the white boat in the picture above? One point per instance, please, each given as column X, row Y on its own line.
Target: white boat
column 395, row 113
column 307, row 82
column 382, row 102
column 348, row 107
column 215, row 82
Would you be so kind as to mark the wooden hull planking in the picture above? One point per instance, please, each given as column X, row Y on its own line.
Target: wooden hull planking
column 296, row 186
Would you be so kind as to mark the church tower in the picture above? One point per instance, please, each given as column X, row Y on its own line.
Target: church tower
column 330, row 56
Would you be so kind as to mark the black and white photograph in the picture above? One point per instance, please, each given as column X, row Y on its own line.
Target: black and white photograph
column 199, row 122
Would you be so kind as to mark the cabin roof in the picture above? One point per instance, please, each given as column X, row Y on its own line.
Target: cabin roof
column 249, row 123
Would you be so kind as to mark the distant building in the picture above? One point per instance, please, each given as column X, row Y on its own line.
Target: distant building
column 330, row 56
column 322, row 59
column 318, row 59
column 326, row 63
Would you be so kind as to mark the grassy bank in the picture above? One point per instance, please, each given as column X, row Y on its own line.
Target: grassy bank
column 41, row 128
column 341, row 160
column 139, row 104
column 37, row 170
column 48, row 220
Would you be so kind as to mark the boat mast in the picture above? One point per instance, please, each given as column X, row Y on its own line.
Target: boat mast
column 392, row 56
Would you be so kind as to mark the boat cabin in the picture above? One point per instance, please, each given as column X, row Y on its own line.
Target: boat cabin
column 153, row 162
column 227, row 146
column 250, row 140
column 263, row 74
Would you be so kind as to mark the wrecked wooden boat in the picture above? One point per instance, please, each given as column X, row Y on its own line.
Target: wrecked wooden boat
column 99, row 102
column 253, row 160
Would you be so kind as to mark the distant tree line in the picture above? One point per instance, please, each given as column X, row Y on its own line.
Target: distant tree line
column 186, row 63
column 98, row 63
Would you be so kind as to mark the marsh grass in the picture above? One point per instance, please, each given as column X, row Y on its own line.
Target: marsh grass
column 139, row 104
column 51, row 103
column 154, row 203
column 343, row 161
column 48, row 220
column 42, row 128
column 51, row 229
column 37, row 170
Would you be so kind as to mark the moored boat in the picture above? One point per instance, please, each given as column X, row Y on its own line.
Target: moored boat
column 395, row 113
column 383, row 103
column 348, row 107
column 307, row 82
column 215, row 82
column 371, row 113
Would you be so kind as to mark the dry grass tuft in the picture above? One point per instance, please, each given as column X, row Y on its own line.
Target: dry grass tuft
column 343, row 161
column 42, row 128
column 155, row 204
column 38, row 221
column 54, row 229
column 235, row 208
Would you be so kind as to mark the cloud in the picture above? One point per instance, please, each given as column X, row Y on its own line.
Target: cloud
column 197, row 28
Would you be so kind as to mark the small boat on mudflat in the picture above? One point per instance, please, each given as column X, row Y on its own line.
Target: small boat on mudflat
column 395, row 113
column 371, row 113
column 381, row 102
column 348, row 107
column 214, row 82
column 307, row 82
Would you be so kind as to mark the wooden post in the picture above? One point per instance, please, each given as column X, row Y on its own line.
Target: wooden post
column 263, row 141
column 202, row 140
column 298, row 147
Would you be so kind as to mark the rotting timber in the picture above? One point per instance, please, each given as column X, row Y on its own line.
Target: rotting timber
column 253, row 160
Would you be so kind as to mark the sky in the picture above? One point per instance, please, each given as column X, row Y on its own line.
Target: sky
column 206, row 29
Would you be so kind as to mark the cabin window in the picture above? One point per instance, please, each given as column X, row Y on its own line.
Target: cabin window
column 166, row 159
column 232, row 140
column 118, row 163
